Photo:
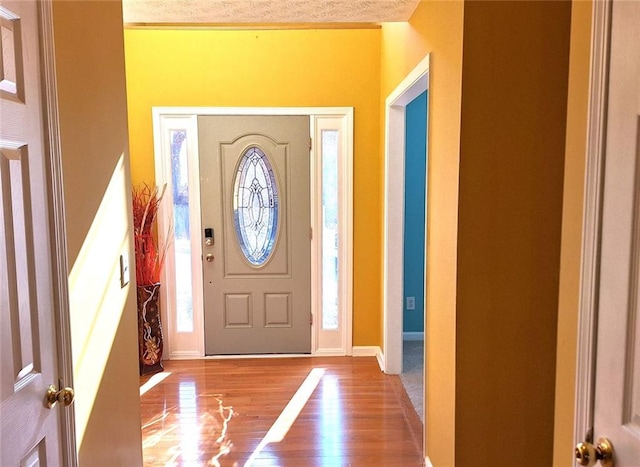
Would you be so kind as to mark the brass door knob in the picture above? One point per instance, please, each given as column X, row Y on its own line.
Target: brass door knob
column 65, row 396
column 209, row 258
column 587, row 454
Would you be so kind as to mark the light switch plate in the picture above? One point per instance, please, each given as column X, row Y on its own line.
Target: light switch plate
column 124, row 269
column 411, row 303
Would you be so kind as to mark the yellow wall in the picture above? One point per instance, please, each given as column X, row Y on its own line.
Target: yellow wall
column 572, row 214
column 492, row 290
column 514, row 101
column 272, row 68
column 93, row 127
column 436, row 28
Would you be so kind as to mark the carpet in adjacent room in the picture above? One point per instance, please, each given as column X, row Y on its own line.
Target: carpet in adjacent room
column 412, row 376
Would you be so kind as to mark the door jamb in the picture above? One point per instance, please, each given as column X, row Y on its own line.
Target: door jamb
column 415, row 83
column 592, row 222
column 57, row 234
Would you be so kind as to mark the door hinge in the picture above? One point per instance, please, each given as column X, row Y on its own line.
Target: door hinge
column 310, row 143
column 311, row 319
column 310, row 233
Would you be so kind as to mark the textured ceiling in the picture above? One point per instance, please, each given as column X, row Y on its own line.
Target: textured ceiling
column 266, row 11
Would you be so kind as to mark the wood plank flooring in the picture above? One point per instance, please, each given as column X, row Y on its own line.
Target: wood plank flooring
column 217, row 412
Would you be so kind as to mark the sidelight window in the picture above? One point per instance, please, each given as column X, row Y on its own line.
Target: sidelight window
column 181, row 230
column 330, row 237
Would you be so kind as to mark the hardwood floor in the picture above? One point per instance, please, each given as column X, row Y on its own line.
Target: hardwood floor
column 218, row 412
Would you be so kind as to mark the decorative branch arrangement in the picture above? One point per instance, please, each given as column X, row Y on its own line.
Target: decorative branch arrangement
column 149, row 263
column 149, row 258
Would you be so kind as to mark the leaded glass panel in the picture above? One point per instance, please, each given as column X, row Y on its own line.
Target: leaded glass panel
column 256, row 207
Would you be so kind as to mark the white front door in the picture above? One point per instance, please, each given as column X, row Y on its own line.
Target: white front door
column 254, row 192
column 29, row 429
column 617, row 390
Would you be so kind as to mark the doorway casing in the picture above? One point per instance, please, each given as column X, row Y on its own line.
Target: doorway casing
column 587, row 319
column 323, row 342
column 415, row 83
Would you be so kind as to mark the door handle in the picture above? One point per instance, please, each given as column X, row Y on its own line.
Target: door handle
column 54, row 395
column 209, row 258
column 587, row 454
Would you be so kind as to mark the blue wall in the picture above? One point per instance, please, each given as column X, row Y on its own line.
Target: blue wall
column 414, row 211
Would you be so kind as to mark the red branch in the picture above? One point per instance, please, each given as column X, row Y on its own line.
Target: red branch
column 149, row 260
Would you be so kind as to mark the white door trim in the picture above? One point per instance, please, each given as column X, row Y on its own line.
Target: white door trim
column 183, row 345
column 592, row 222
column 58, row 231
column 416, row 82
column 339, row 341
column 346, row 235
column 336, row 111
column 58, row 238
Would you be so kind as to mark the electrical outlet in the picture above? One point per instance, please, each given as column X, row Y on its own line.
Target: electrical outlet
column 411, row 303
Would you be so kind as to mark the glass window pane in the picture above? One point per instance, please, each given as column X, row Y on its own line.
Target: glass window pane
column 255, row 206
column 329, row 229
column 182, row 235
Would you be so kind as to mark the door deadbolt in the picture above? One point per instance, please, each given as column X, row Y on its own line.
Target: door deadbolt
column 208, row 236
column 587, row 454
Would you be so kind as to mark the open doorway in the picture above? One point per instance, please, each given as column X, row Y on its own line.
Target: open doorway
column 396, row 168
column 412, row 375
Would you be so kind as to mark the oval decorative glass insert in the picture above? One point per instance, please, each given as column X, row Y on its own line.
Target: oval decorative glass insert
column 255, row 206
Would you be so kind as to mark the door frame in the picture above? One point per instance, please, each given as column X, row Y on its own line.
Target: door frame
column 58, row 236
column 592, row 221
column 414, row 84
column 322, row 343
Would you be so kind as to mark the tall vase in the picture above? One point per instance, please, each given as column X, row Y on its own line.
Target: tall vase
column 150, row 339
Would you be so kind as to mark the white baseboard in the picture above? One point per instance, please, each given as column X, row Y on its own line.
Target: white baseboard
column 184, row 355
column 427, row 462
column 365, row 350
column 413, row 336
column 380, row 358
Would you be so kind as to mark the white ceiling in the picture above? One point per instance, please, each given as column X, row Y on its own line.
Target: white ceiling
column 221, row 12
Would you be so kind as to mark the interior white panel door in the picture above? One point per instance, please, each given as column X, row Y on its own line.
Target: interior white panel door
column 29, row 429
column 617, row 392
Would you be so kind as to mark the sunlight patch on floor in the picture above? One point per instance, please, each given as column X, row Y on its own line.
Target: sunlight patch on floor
column 285, row 420
column 153, row 381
